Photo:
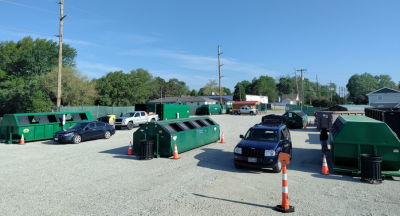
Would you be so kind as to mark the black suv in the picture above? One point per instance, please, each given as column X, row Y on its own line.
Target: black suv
column 262, row 144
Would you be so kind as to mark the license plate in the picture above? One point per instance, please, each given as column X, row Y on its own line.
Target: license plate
column 55, row 139
column 252, row 160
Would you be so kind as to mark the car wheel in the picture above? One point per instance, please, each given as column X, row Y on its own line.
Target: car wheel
column 153, row 120
column 107, row 135
column 77, row 139
column 130, row 126
column 238, row 166
column 277, row 168
column 251, row 113
column 235, row 113
column 117, row 128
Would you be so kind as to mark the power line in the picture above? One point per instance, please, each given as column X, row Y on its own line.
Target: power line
column 26, row 30
column 28, row 6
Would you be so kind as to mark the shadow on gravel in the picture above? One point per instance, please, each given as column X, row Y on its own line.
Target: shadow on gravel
column 313, row 139
column 121, row 152
column 221, row 160
column 51, row 142
column 234, row 201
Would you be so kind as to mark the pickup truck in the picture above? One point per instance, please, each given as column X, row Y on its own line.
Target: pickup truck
column 134, row 118
column 245, row 110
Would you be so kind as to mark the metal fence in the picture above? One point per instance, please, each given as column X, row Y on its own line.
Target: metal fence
column 98, row 111
column 306, row 109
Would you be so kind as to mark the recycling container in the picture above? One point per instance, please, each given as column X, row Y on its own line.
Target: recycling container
column 213, row 109
column 325, row 119
column 391, row 116
column 169, row 111
column 353, row 135
column 186, row 133
column 296, row 119
column 371, row 168
column 38, row 126
column 146, row 149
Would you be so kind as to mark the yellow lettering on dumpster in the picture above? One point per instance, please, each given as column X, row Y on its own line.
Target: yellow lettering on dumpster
column 26, row 130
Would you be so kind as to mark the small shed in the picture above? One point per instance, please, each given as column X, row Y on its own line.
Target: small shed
column 251, row 104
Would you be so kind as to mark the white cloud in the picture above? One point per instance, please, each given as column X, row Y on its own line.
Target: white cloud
column 88, row 67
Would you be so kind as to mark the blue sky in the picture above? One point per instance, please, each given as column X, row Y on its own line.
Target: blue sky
column 179, row 39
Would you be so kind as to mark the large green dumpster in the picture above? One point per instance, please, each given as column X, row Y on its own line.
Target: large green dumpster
column 213, row 109
column 38, row 126
column 186, row 133
column 172, row 111
column 352, row 136
column 296, row 119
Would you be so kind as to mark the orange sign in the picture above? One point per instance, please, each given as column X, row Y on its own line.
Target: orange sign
column 284, row 158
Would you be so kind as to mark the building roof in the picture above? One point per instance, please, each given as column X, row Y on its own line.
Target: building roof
column 349, row 107
column 183, row 99
column 384, row 90
column 292, row 97
column 246, row 102
column 227, row 98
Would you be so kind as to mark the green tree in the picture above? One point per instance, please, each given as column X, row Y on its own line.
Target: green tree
column 158, row 85
column 239, row 93
column 176, row 88
column 226, row 91
column 265, row 85
column 115, row 89
column 193, row 93
column 211, row 86
column 361, row 85
column 286, row 85
column 41, row 102
column 30, row 57
column 385, row 81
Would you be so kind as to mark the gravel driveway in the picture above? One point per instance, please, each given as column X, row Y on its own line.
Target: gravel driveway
column 98, row 178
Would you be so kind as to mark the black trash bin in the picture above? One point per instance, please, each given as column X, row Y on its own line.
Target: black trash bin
column 146, row 149
column 371, row 168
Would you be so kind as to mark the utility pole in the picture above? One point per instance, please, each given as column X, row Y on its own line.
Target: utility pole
column 317, row 86
column 330, row 89
column 219, row 70
column 240, row 93
column 297, row 86
column 302, row 86
column 60, row 54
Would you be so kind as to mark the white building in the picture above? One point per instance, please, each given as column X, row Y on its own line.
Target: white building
column 384, row 98
column 259, row 98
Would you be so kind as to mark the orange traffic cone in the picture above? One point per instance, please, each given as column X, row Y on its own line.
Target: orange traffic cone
column 325, row 169
column 285, row 207
column 210, row 114
column 176, row 155
column 130, row 152
column 22, row 141
column 309, row 123
column 222, row 138
column 305, row 127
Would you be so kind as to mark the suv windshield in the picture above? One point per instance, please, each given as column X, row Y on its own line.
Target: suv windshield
column 262, row 134
column 129, row 114
column 78, row 126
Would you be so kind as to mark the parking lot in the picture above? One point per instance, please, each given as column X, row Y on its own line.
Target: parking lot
column 98, row 178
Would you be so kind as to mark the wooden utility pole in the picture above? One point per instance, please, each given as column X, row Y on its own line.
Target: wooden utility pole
column 302, row 85
column 60, row 54
column 219, row 70
column 240, row 93
column 297, row 86
column 330, row 89
column 317, row 86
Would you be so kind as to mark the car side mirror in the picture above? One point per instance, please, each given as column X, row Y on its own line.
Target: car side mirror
column 241, row 136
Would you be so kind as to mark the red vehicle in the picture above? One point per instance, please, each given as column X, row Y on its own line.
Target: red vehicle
column 317, row 111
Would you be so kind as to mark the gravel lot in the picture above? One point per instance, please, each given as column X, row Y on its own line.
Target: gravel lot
column 98, row 178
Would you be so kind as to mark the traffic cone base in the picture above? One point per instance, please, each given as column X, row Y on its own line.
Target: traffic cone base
column 279, row 208
column 130, row 151
column 305, row 127
column 222, row 138
column 325, row 169
column 22, row 141
column 176, row 155
column 309, row 123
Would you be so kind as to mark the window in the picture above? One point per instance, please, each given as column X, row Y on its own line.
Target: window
column 142, row 113
column 270, row 135
column 100, row 124
column 380, row 106
column 380, row 97
column 91, row 126
column 137, row 114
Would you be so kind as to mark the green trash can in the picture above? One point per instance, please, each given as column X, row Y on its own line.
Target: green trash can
column 296, row 119
column 186, row 133
column 38, row 126
column 354, row 135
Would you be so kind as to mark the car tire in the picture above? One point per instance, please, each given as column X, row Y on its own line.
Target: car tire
column 251, row 113
column 235, row 113
column 130, row 125
column 153, row 120
column 76, row 139
column 117, row 127
column 238, row 166
column 277, row 168
column 107, row 135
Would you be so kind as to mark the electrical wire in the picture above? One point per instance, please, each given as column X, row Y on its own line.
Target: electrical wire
column 26, row 30
column 29, row 6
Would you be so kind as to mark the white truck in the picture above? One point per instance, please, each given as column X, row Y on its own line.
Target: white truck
column 134, row 118
column 245, row 110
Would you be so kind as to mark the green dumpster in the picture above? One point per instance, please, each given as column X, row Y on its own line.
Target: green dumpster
column 38, row 126
column 213, row 109
column 352, row 136
column 186, row 133
column 172, row 111
column 296, row 119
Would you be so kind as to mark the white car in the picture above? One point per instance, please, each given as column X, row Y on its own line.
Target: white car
column 134, row 118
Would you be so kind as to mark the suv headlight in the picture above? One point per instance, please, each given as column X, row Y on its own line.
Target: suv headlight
column 238, row 150
column 69, row 134
column 269, row 153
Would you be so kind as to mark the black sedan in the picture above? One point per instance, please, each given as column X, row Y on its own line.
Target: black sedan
column 85, row 131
